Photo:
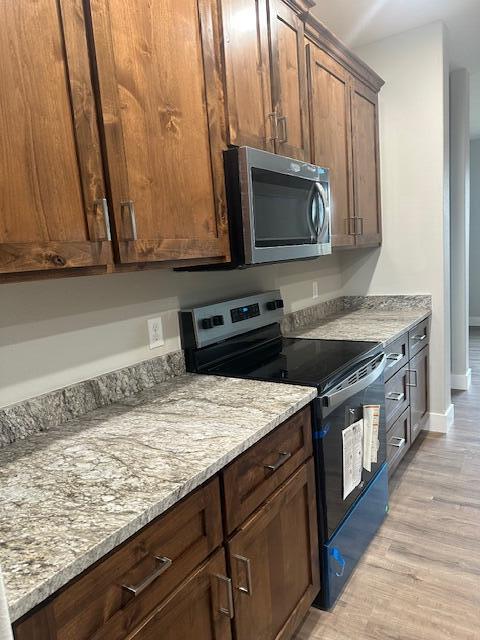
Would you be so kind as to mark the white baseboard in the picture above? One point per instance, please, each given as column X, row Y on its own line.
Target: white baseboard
column 440, row 422
column 462, row 382
column 474, row 321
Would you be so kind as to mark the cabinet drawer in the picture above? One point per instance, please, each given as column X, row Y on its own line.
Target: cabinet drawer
column 398, row 441
column 252, row 477
column 397, row 396
column 397, row 356
column 419, row 337
column 110, row 600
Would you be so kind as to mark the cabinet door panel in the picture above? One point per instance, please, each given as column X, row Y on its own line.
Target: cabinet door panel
column 419, row 396
column 194, row 611
column 289, row 81
column 366, row 165
column 50, row 164
column 162, row 100
column 247, row 62
column 274, row 561
column 330, row 128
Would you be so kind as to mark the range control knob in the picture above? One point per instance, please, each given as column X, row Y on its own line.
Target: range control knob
column 218, row 321
column 272, row 305
column 207, row 323
column 279, row 304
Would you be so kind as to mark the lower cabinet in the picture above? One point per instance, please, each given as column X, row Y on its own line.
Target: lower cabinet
column 183, row 577
column 274, row 562
column 418, row 373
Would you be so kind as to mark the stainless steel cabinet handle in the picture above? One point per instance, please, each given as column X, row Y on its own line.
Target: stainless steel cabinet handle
column 283, row 119
column 101, row 204
column 401, row 442
column 420, row 338
column 360, row 223
column 284, row 456
column 274, row 122
column 412, row 384
column 351, row 226
column 248, row 588
column 163, row 563
column 128, row 206
column 396, row 357
column 227, row 611
column 394, row 395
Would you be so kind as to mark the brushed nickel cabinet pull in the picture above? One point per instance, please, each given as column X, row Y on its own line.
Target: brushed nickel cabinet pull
column 163, row 563
column 248, row 588
column 395, row 357
column 227, row 611
column 420, row 338
column 284, row 120
column 394, row 395
column 273, row 117
column 410, row 372
column 101, row 204
column 351, row 226
column 360, row 223
column 401, row 442
column 284, row 456
column 128, row 206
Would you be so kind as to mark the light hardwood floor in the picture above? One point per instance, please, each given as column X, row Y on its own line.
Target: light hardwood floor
column 420, row 578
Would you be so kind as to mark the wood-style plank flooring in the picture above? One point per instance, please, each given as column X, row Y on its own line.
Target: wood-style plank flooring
column 420, row 578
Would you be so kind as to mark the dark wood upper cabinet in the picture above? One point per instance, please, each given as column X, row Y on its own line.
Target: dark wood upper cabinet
column 274, row 561
column 330, row 127
column 52, row 207
column 366, row 170
column 289, row 81
column 161, row 97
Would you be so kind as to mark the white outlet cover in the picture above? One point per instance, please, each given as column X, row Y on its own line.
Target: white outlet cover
column 155, row 333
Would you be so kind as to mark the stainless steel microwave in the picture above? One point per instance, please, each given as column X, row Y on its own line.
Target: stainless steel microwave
column 279, row 208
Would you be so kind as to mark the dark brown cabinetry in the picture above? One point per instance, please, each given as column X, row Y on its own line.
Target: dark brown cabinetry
column 52, row 196
column 406, row 391
column 172, row 577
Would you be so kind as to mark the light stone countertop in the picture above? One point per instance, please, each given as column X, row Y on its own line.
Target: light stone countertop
column 70, row 495
column 365, row 324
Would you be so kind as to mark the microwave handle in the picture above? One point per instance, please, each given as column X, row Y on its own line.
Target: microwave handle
column 331, row 401
column 326, row 218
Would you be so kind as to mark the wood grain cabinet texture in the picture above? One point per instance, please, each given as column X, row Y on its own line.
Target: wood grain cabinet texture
column 183, row 576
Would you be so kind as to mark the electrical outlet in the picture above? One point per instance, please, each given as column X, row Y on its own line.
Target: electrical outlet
column 155, row 333
column 315, row 289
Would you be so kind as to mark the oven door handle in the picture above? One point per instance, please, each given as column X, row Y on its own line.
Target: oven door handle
column 331, row 401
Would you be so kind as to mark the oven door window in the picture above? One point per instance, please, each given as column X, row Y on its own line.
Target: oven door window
column 287, row 210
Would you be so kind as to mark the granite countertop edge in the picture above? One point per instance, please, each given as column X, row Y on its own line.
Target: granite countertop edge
column 30, row 600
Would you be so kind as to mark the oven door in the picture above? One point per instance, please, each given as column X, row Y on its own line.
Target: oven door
column 336, row 410
column 285, row 208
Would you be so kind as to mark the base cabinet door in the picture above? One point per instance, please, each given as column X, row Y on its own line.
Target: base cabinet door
column 418, row 374
column 274, row 560
column 366, row 170
column 53, row 212
column 162, row 105
column 201, row 608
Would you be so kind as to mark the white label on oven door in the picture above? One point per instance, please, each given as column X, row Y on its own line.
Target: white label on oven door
column 352, row 438
column 371, row 421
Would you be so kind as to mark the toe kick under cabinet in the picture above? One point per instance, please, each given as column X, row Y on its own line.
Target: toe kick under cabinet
column 238, row 563
column 406, row 391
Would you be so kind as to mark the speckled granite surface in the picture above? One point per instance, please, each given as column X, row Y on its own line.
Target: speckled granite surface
column 372, row 318
column 59, row 407
column 71, row 494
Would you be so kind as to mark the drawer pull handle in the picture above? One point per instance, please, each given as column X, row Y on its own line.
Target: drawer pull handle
column 396, row 357
column 128, row 206
column 401, row 442
column 397, row 397
column 284, row 456
column 248, row 565
column 227, row 611
column 163, row 564
column 420, row 338
column 410, row 372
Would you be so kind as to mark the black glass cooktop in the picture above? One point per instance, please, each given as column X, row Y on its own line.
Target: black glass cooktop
column 296, row 361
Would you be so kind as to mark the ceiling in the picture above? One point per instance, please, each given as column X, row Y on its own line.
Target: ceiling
column 359, row 22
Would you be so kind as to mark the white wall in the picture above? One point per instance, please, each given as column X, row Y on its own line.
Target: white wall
column 57, row 332
column 415, row 196
column 460, row 224
column 475, row 233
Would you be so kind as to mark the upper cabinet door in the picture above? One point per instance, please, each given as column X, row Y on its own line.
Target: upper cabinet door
column 247, row 66
column 162, row 105
column 289, row 81
column 52, row 208
column 366, row 165
column 330, row 126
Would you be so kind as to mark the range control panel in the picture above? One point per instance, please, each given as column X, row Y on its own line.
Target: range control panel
column 202, row 326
